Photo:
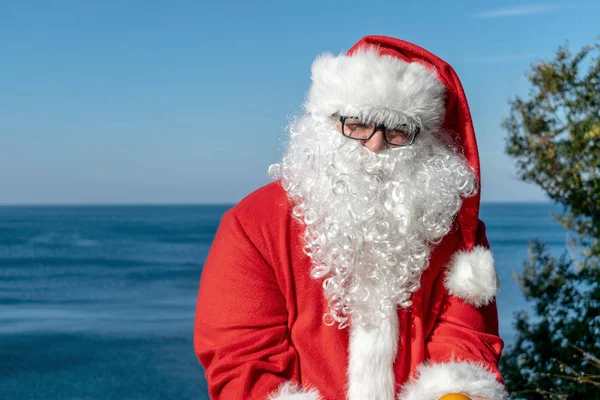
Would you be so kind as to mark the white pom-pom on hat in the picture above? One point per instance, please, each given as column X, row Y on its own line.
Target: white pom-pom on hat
column 472, row 276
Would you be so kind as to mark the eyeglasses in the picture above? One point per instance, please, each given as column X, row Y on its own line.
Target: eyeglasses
column 401, row 135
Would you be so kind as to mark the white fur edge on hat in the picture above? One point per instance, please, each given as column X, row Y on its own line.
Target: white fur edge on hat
column 472, row 276
column 291, row 391
column 436, row 380
column 379, row 88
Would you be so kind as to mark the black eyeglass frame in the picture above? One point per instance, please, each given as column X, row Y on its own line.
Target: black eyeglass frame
column 383, row 128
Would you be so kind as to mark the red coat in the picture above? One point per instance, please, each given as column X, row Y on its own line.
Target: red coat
column 258, row 320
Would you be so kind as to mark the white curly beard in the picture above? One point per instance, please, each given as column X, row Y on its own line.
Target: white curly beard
column 370, row 218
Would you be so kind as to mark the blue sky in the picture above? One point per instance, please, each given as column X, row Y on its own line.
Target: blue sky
column 186, row 102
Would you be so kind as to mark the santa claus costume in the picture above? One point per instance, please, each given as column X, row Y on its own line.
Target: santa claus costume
column 357, row 275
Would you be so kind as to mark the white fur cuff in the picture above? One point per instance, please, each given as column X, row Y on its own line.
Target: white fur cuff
column 291, row 391
column 472, row 276
column 436, row 380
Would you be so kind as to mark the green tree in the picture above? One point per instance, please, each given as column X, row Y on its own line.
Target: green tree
column 554, row 136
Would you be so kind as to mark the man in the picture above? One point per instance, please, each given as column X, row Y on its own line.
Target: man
column 363, row 271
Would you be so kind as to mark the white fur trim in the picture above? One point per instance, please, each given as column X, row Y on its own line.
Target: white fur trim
column 291, row 391
column 378, row 88
column 371, row 360
column 472, row 276
column 436, row 380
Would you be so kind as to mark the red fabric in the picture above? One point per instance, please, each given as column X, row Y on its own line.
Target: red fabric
column 457, row 119
column 462, row 331
column 258, row 316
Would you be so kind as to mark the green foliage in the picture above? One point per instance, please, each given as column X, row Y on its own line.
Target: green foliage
column 553, row 353
column 554, row 137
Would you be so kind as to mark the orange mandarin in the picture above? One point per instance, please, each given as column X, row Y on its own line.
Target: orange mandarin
column 454, row 396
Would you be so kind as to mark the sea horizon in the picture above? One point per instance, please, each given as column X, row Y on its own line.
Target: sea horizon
column 141, row 204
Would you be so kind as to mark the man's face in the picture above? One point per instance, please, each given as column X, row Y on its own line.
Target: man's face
column 374, row 137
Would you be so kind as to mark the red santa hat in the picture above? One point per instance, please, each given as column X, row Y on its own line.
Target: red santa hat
column 390, row 81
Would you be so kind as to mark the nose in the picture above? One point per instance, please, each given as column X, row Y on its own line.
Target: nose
column 377, row 142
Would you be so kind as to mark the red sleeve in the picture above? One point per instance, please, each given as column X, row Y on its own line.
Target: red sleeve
column 465, row 331
column 463, row 349
column 240, row 329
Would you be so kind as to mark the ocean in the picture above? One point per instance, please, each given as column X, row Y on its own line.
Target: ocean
column 97, row 302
